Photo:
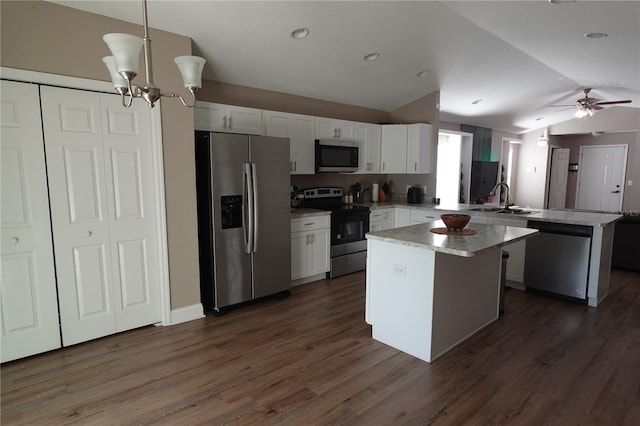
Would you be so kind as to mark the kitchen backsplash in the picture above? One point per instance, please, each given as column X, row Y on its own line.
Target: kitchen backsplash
column 398, row 183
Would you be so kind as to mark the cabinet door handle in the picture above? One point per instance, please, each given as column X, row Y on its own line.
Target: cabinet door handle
column 309, row 224
column 383, row 165
column 230, row 118
column 224, row 122
column 88, row 234
column 290, row 166
column 415, row 167
column 295, row 166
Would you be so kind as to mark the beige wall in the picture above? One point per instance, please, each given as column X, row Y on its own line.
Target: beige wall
column 50, row 38
column 230, row 94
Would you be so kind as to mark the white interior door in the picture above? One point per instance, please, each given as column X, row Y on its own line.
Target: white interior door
column 28, row 301
column 102, row 210
column 558, row 178
column 601, row 176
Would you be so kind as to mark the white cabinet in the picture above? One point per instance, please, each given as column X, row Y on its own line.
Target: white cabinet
column 394, row 148
column 419, row 146
column 369, row 138
column 329, row 128
column 375, row 220
column 300, row 129
column 406, row 148
column 402, row 217
column 228, row 118
column 310, row 245
column 28, row 298
column 423, row 216
column 381, row 219
column 515, row 264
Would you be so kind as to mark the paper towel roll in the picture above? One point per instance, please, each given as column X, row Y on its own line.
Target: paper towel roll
column 375, row 189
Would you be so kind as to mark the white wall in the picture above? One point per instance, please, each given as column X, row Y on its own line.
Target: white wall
column 531, row 173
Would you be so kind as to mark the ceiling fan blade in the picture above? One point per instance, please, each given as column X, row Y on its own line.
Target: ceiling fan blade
column 595, row 107
column 553, row 106
column 626, row 101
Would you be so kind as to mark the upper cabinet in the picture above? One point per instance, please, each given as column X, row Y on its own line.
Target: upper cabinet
column 329, row 128
column 300, row 131
column 406, row 148
column 228, row 118
column 394, row 148
column 369, row 138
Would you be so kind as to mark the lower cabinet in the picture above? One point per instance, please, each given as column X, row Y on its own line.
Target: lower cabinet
column 310, row 245
column 402, row 217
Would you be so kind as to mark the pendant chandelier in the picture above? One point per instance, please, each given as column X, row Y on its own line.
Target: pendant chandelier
column 123, row 67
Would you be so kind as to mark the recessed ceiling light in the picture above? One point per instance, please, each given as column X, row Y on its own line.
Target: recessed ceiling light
column 300, row 33
column 596, row 35
column 423, row 73
column 371, row 56
column 476, row 102
column 561, row 1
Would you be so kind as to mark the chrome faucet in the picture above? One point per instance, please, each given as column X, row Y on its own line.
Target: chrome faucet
column 506, row 199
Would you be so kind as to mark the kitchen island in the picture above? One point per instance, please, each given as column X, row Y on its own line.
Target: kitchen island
column 427, row 292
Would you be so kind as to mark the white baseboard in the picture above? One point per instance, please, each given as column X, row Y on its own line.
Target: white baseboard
column 187, row 313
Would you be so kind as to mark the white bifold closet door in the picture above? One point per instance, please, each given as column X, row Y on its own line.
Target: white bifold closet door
column 99, row 162
column 28, row 304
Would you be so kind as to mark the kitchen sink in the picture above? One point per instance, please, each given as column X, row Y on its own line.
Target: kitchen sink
column 513, row 211
column 485, row 209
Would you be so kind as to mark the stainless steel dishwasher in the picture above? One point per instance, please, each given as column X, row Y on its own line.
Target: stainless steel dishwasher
column 557, row 259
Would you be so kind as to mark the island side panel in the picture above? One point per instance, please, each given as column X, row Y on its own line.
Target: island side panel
column 399, row 296
column 466, row 297
column 600, row 263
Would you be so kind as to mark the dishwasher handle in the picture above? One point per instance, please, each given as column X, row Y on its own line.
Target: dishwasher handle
column 561, row 228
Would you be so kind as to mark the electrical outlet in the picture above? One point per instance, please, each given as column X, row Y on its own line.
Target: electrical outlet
column 400, row 270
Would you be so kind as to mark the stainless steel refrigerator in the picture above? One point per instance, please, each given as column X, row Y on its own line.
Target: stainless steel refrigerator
column 244, row 226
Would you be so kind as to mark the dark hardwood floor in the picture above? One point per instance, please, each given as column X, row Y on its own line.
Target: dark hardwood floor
column 310, row 360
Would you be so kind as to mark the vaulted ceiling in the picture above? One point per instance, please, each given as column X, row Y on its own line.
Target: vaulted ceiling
column 497, row 64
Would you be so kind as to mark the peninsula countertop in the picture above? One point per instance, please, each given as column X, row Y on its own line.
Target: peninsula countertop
column 570, row 216
column 486, row 237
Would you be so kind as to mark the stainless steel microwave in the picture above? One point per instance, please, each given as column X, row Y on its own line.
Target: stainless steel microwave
column 336, row 156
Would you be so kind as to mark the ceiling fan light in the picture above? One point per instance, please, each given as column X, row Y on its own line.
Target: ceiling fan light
column 191, row 68
column 581, row 113
column 126, row 50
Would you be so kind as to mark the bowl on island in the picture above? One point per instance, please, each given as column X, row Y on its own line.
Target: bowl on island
column 455, row 222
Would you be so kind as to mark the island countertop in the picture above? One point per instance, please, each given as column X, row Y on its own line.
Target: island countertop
column 486, row 237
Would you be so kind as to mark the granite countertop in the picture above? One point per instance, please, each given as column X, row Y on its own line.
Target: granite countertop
column 574, row 217
column 302, row 212
column 420, row 236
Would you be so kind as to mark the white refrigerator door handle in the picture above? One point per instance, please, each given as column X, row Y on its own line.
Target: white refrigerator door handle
column 254, row 188
column 248, row 208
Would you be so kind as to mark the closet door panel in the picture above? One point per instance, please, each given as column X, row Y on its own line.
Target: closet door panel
column 132, row 224
column 28, row 298
column 79, row 214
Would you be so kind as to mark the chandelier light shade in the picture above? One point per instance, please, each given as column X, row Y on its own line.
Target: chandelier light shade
column 123, row 67
column 191, row 69
column 125, row 49
column 119, row 82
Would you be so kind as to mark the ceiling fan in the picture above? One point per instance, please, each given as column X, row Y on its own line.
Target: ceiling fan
column 587, row 106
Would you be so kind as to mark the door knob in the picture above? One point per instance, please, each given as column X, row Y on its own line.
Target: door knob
column 15, row 240
column 615, row 192
column 88, row 234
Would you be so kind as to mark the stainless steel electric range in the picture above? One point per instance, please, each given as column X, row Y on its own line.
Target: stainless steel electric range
column 349, row 224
